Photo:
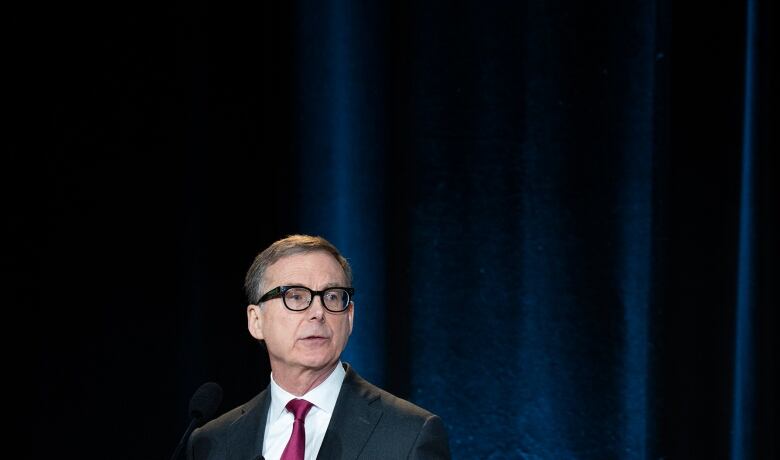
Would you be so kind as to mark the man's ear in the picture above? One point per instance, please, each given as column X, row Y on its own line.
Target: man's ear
column 254, row 321
column 351, row 314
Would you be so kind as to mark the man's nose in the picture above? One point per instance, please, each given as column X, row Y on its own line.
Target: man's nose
column 317, row 308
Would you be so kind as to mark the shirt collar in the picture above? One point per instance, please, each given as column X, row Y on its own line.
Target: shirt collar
column 323, row 396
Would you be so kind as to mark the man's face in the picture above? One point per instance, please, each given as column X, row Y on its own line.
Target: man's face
column 312, row 339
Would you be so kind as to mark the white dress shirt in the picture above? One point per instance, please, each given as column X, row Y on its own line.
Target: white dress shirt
column 278, row 425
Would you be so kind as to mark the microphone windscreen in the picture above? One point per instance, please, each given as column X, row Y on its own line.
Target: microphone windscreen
column 205, row 401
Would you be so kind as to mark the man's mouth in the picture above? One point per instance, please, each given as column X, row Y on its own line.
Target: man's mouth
column 314, row 338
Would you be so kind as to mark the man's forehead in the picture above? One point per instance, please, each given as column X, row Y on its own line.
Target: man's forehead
column 316, row 256
column 306, row 263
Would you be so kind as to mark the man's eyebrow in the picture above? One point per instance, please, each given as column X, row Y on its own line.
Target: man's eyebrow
column 333, row 284
column 326, row 286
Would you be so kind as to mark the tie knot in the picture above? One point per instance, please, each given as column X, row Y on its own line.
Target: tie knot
column 299, row 408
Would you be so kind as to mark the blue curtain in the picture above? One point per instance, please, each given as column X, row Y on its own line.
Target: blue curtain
column 532, row 149
column 561, row 216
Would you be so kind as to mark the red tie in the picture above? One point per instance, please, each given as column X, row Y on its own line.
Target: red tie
column 297, row 443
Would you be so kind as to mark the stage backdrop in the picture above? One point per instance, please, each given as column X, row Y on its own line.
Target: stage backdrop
column 561, row 216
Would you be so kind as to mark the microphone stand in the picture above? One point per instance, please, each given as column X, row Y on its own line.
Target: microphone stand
column 193, row 424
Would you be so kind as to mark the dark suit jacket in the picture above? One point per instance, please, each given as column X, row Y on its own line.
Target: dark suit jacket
column 367, row 423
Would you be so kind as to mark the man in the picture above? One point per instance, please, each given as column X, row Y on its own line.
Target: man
column 301, row 305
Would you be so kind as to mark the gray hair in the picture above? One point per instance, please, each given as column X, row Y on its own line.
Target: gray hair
column 293, row 244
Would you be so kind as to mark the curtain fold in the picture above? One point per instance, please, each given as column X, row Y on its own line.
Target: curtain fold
column 561, row 216
column 545, row 211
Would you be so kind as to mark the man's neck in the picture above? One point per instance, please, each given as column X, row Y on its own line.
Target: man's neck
column 300, row 381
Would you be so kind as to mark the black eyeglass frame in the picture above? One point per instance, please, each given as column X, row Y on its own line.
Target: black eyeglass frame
column 279, row 291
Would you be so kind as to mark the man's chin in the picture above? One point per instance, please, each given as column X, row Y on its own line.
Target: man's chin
column 318, row 362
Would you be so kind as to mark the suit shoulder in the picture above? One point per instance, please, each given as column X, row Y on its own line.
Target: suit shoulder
column 222, row 422
column 401, row 407
column 403, row 429
column 392, row 405
column 217, row 428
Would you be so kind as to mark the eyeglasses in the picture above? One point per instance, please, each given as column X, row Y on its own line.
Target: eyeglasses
column 299, row 298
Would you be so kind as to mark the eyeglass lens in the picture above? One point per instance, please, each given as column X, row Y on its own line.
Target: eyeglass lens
column 299, row 298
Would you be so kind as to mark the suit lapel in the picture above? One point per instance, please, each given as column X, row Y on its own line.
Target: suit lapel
column 353, row 420
column 245, row 440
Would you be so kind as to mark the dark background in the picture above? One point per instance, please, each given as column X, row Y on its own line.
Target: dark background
column 561, row 215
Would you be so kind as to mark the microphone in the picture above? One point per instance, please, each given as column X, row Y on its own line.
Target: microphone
column 203, row 406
